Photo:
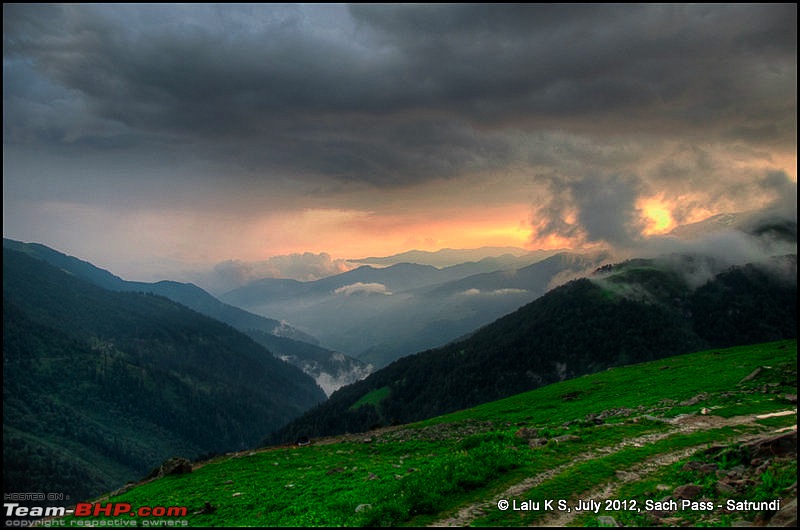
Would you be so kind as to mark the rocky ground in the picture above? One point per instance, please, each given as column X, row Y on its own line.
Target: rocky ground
column 756, row 452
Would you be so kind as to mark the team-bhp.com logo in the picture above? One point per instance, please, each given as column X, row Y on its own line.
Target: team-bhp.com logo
column 94, row 509
column 115, row 509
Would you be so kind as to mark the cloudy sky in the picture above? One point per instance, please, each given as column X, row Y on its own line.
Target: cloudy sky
column 157, row 138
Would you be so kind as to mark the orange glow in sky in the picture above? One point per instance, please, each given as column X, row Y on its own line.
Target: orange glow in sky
column 356, row 234
column 657, row 214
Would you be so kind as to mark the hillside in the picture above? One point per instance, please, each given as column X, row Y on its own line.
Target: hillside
column 633, row 312
column 187, row 294
column 329, row 369
column 717, row 426
column 100, row 386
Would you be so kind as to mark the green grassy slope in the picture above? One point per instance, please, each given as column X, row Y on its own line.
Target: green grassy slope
column 627, row 432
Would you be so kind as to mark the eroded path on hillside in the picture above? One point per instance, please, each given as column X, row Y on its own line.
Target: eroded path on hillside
column 682, row 424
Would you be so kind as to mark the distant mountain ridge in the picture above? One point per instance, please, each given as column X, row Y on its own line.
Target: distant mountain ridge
column 631, row 312
column 381, row 314
column 448, row 257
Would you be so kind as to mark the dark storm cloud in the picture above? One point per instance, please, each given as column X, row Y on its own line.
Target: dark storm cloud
column 566, row 60
column 273, row 96
column 596, row 208
column 390, row 95
column 785, row 193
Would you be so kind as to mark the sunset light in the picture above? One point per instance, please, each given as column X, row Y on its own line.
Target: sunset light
column 657, row 214
column 350, row 131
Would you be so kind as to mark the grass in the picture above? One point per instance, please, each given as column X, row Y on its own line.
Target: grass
column 372, row 398
column 417, row 474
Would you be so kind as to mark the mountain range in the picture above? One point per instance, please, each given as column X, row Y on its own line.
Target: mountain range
column 639, row 310
column 330, row 369
column 104, row 378
column 493, row 257
column 381, row 314
column 390, row 308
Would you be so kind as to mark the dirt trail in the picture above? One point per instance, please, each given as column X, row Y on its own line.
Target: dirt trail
column 607, row 491
column 685, row 424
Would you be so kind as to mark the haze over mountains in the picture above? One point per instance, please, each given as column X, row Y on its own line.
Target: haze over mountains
column 130, row 361
column 447, row 257
column 381, row 314
column 636, row 311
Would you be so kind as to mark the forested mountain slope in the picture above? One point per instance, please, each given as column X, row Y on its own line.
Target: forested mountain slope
column 100, row 386
column 330, row 369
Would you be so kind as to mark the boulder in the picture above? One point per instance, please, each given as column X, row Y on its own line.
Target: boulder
column 725, row 489
column 755, row 373
column 175, row 466
column 778, row 445
column 687, row 491
column 605, row 520
column 695, row 400
column 787, row 516
column 566, row 438
column 527, row 433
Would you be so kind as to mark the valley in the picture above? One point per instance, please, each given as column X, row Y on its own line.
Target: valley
column 146, row 371
column 366, row 265
column 381, row 314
